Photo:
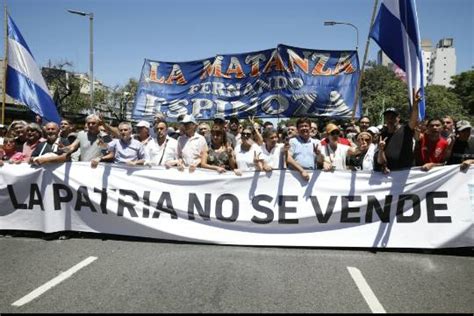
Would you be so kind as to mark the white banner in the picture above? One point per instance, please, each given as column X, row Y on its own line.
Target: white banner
column 405, row 209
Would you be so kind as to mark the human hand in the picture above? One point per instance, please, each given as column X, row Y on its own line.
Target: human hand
column 327, row 166
column 95, row 163
column 305, row 175
column 382, row 143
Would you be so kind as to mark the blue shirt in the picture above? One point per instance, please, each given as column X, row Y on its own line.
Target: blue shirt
column 124, row 152
column 303, row 151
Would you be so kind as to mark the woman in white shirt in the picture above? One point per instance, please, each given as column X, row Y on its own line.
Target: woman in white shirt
column 365, row 159
column 248, row 154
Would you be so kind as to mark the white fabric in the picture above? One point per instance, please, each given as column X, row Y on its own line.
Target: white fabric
column 272, row 209
column 154, row 152
column 336, row 157
column 20, row 59
column 190, row 148
column 245, row 159
column 274, row 157
column 368, row 161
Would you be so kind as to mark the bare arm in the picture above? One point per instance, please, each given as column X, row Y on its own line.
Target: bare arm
column 290, row 161
column 414, row 111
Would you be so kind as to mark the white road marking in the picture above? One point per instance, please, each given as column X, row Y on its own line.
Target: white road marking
column 366, row 291
column 52, row 283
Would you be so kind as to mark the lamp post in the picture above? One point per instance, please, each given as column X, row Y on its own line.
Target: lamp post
column 330, row 23
column 91, row 51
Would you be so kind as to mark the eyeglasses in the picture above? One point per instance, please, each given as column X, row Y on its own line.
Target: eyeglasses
column 334, row 133
column 246, row 134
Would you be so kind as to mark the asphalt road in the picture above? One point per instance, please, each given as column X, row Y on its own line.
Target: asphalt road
column 159, row 276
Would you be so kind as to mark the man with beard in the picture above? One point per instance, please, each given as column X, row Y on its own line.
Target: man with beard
column 395, row 151
column 161, row 149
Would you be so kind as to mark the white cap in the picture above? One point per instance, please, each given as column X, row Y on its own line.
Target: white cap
column 188, row 119
column 373, row 129
column 143, row 124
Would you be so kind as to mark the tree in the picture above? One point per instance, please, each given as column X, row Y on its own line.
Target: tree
column 464, row 89
column 380, row 89
column 441, row 101
column 121, row 99
column 66, row 89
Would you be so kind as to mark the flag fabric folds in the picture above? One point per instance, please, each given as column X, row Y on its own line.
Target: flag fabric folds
column 396, row 32
column 24, row 80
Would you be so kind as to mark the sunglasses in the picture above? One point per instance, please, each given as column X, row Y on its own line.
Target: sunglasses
column 246, row 134
column 334, row 133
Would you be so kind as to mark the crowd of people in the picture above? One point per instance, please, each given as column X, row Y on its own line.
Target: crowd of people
column 244, row 145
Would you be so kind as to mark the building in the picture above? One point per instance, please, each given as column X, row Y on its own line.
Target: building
column 439, row 64
column 443, row 63
column 426, row 54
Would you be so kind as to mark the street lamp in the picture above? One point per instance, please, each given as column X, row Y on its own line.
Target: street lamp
column 330, row 23
column 91, row 51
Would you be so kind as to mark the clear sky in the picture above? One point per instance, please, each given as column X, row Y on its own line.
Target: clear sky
column 128, row 31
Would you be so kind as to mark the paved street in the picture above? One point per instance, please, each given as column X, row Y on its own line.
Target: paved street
column 159, row 276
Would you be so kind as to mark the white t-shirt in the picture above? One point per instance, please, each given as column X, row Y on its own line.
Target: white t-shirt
column 156, row 155
column 190, row 148
column 245, row 159
column 338, row 157
column 273, row 158
column 368, row 162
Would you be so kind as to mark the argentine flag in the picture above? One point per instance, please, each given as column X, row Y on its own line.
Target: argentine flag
column 396, row 32
column 24, row 80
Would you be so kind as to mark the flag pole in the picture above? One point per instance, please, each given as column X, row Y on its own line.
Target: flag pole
column 4, row 86
column 356, row 99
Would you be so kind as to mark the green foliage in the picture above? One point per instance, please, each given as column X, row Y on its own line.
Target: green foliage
column 440, row 101
column 65, row 88
column 464, row 88
column 121, row 99
column 381, row 89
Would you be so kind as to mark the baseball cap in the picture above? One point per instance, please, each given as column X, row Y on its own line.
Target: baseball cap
column 143, row 124
column 373, row 130
column 219, row 117
column 462, row 125
column 234, row 119
column 391, row 110
column 331, row 127
column 188, row 119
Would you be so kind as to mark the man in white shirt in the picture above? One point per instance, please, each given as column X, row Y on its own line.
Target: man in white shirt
column 191, row 145
column 162, row 149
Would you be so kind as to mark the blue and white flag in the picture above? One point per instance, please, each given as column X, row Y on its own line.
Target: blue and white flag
column 396, row 32
column 24, row 80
